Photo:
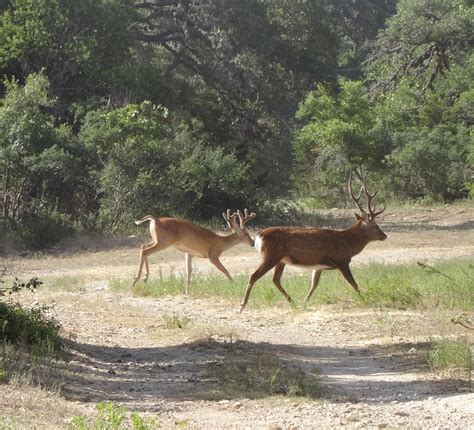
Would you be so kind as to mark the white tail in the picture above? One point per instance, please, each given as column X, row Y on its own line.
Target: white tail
column 193, row 240
column 316, row 248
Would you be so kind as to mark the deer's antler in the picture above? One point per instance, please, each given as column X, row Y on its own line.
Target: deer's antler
column 244, row 219
column 230, row 217
column 371, row 206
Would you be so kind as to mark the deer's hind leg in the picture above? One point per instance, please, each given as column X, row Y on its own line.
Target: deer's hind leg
column 277, row 280
column 147, row 250
column 264, row 267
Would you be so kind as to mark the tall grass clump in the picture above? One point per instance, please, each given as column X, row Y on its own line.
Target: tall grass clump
column 23, row 326
column 245, row 373
column 450, row 355
column 29, row 327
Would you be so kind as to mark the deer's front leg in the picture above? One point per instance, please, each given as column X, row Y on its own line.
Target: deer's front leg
column 346, row 272
column 254, row 277
column 314, row 283
column 189, row 269
column 216, row 262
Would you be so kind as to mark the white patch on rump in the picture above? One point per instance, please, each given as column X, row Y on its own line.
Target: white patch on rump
column 258, row 243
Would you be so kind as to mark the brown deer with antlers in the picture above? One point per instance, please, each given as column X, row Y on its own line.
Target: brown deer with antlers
column 316, row 248
column 193, row 240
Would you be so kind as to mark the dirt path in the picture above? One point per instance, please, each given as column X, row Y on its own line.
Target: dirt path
column 370, row 362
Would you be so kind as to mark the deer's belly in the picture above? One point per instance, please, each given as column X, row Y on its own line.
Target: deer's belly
column 304, row 264
column 196, row 253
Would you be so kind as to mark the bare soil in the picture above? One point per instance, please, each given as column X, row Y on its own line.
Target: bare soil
column 370, row 362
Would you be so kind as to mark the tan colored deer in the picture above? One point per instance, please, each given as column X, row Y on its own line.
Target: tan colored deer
column 193, row 240
column 316, row 248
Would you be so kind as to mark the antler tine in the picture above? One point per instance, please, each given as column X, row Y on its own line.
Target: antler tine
column 373, row 213
column 231, row 217
column 380, row 211
column 246, row 217
column 227, row 215
column 356, row 199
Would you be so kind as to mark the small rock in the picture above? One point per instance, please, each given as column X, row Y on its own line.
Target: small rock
column 352, row 418
column 402, row 413
column 237, row 405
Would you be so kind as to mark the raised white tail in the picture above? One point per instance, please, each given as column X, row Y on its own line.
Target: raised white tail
column 144, row 219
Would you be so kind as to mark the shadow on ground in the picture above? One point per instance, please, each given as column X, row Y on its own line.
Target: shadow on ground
column 143, row 377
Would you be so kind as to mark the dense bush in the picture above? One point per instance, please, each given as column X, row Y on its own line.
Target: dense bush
column 26, row 327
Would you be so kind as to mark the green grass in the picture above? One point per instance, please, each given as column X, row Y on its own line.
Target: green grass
column 175, row 322
column 245, row 373
column 448, row 285
column 450, row 355
column 111, row 416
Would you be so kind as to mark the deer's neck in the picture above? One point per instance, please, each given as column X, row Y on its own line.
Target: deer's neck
column 229, row 240
column 358, row 238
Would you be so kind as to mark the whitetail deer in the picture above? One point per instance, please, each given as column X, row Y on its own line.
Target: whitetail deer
column 316, row 248
column 193, row 240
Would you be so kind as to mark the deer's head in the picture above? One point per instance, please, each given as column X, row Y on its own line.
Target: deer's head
column 367, row 219
column 236, row 223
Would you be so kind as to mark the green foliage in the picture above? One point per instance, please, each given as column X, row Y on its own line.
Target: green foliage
column 422, row 40
column 450, row 355
column 39, row 173
column 114, row 108
column 417, row 141
column 20, row 326
column 430, row 162
column 84, row 46
column 29, row 327
column 154, row 163
column 334, row 140
column 111, row 416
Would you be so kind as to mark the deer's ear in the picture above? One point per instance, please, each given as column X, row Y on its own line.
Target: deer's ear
column 364, row 217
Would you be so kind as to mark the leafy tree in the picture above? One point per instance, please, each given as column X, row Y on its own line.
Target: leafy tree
column 422, row 40
column 82, row 47
column 151, row 162
column 39, row 172
column 334, row 140
column 431, row 137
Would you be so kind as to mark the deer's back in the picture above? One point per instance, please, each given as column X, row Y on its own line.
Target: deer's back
column 303, row 246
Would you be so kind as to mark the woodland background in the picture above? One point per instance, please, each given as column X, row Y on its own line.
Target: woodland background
column 111, row 109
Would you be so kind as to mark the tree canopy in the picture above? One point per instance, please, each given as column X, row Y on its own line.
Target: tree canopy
column 113, row 108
